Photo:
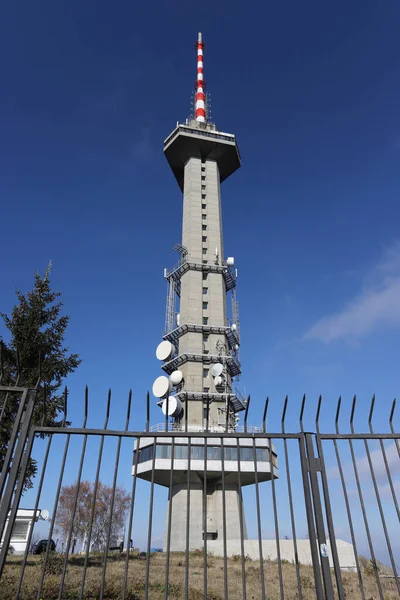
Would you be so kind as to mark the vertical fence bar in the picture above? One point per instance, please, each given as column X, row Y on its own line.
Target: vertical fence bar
column 171, row 479
column 95, row 487
column 309, row 512
column 260, row 549
column 328, row 510
column 360, row 496
column 223, row 496
column 9, row 505
column 319, row 520
column 273, row 492
column 116, row 467
column 187, row 513
column 131, row 510
column 78, row 484
column 53, row 516
column 150, row 524
column 385, row 460
column 205, row 572
column 346, row 499
column 378, row 499
column 21, row 575
column 292, row 519
column 5, row 471
column 241, row 519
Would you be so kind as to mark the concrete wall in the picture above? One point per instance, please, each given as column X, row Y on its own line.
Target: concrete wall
column 251, row 548
column 214, row 517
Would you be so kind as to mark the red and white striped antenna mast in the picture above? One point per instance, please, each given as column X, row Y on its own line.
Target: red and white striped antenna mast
column 200, row 99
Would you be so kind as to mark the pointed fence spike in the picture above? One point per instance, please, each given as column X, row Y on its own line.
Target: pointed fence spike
column 339, row 404
column 108, row 408
column 353, row 408
column 246, row 413
column 303, row 403
column 148, row 410
column 371, row 411
column 318, row 412
column 128, row 410
column 392, row 413
column 284, row 413
column 86, row 406
column 265, row 414
column 65, row 405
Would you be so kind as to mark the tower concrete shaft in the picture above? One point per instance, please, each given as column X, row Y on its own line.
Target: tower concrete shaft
column 205, row 338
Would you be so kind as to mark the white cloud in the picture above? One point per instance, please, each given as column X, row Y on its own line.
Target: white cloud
column 378, row 465
column 376, row 307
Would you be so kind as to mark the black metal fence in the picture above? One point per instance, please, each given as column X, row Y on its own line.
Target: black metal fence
column 327, row 525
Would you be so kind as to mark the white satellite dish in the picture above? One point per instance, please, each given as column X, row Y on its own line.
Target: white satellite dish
column 178, row 319
column 162, row 386
column 174, row 406
column 176, row 377
column 230, row 261
column 233, row 327
column 165, row 350
column 236, row 347
column 218, row 381
column 44, row 514
column 217, row 369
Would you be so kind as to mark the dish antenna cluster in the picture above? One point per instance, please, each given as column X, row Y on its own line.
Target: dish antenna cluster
column 217, row 373
column 163, row 385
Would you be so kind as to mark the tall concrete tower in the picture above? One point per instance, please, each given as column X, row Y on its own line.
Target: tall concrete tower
column 200, row 347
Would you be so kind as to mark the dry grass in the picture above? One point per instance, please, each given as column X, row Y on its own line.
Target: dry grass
column 176, row 585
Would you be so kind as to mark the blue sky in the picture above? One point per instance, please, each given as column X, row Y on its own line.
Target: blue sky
column 89, row 93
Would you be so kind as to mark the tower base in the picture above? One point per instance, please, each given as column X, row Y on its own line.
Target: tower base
column 212, row 513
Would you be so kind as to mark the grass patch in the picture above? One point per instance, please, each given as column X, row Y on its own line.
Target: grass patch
column 137, row 585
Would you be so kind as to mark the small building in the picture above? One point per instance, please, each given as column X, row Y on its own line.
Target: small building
column 22, row 527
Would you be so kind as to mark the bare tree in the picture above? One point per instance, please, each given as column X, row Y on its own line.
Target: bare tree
column 80, row 517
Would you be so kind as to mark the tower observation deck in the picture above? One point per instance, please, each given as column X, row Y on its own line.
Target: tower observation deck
column 200, row 347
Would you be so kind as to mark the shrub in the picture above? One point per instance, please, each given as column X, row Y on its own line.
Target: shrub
column 54, row 562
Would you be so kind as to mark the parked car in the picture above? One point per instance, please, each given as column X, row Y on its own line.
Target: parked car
column 42, row 546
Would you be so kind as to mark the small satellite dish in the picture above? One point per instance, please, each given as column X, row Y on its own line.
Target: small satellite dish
column 44, row 514
column 174, row 406
column 217, row 369
column 218, row 381
column 236, row 347
column 233, row 327
column 230, row 261
column 162, row 386
column 165, row 350
column 176, row 377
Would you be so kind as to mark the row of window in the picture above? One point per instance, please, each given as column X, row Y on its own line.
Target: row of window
column 198, row 132
column 198, row 453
